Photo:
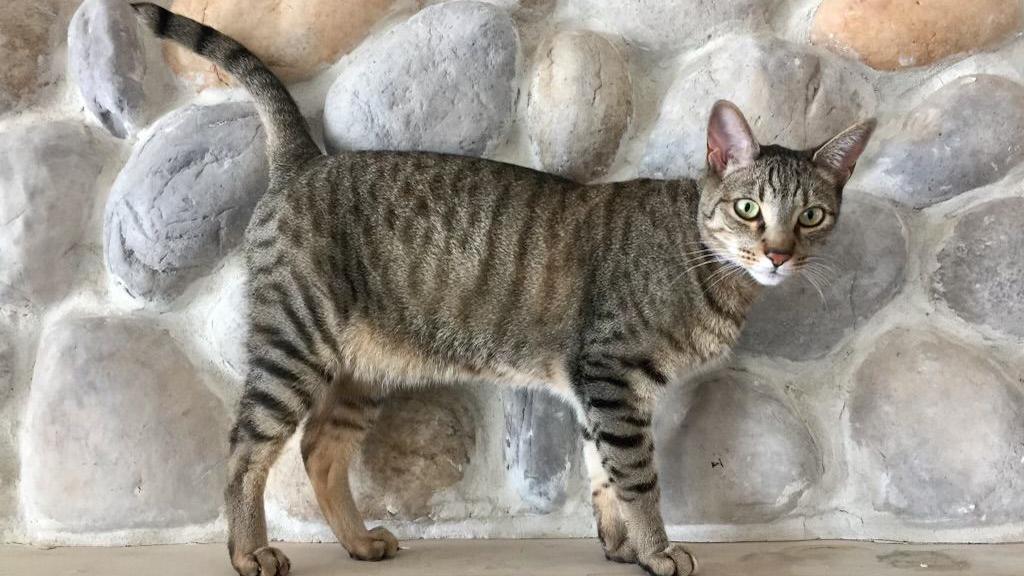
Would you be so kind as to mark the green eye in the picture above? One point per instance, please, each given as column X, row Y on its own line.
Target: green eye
column 811, row 217
column 746, row 208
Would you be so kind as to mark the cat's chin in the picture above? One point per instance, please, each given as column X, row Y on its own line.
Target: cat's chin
column 767, row 278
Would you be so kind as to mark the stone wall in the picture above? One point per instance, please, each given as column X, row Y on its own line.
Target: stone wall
column 889, row 405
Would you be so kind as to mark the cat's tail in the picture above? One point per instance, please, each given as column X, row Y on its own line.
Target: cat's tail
column 289, row 144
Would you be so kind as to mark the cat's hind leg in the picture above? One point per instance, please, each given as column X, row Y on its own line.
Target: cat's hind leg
column 332, row 436
column 275, row 400
column 291, row 369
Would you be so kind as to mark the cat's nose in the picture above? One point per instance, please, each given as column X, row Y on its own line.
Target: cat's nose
column 778, row 257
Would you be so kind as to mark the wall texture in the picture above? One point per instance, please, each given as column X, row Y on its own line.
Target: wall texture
column 888, row 405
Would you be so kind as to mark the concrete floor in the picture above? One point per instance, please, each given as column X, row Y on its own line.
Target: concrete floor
column 530, row 557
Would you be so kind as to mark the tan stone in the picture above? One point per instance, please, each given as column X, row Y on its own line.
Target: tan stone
column 893, row 34
column 296, row 38
column 419, row 447
column 27, row 34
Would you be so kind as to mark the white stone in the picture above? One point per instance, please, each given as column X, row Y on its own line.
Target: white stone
column 740, row 454
column 442, row 81
column 228, row 324
column 48, row 174
column 667, row 24
column 579, row 105
column 939, row 425
column 122, row 431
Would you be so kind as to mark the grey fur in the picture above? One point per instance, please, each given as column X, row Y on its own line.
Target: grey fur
column 370, row 270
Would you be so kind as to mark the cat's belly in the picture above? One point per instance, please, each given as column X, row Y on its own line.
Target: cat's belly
column 372, row 356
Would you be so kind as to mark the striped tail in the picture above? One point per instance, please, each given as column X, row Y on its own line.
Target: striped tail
column 289, row 144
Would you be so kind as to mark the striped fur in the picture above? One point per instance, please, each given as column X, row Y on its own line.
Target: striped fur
column 375, row 270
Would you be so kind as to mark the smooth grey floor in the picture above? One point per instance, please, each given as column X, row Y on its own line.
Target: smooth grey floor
column 531, row 557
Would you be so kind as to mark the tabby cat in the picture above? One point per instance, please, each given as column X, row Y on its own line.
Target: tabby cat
column 370, row 271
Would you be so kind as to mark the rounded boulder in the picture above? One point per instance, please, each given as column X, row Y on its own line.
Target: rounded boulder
column 579, row 104
column 442, row 81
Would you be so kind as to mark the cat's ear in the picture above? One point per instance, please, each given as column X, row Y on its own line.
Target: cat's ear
column 731, row 144
column 839, row 155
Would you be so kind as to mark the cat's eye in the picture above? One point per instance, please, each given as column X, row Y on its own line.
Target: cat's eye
column 746, row 208
column 811, row 217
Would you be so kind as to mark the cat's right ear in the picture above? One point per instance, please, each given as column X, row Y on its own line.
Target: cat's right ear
column 731, row 144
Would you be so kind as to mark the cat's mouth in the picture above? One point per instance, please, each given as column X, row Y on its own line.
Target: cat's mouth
column 771, row 277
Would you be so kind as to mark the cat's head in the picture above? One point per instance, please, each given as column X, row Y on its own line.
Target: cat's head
column 768, row 209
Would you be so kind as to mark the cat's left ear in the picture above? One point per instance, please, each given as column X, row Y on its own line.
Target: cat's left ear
column 839, row 155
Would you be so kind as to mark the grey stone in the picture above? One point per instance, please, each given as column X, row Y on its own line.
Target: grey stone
column 739, row 454
column 542, row 446
column 108, row 63
column 6, row 368
column 443, row 81
column 667, row 24
column 791, row 95
column 9, row 421
column 48, row 174
column 940, row 426
column 981, row 268
column 579, row 104
column 963, row 136
column 123, row 434
column 184, row 197
column 420, row 446
column 866, row 258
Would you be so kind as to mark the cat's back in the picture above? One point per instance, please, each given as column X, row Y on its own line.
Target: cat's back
column 399, row 174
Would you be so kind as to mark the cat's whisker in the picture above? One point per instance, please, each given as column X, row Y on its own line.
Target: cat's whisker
column 822, row 261
column 725, row 269
column 702, row 251
column 810, row 280
column 730, row 272
column 693, row 267
column 824, row 268
column 816, row 279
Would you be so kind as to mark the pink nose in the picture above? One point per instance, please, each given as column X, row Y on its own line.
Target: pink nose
column 778, row 258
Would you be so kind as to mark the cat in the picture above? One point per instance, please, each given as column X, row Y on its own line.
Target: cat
column 375, row 270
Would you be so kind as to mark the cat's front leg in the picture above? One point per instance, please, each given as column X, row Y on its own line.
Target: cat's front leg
column 618, row 424
column 611, row 526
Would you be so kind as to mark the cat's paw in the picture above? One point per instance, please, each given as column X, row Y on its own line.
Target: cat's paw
column 378, row 544
column 672, row 561
column 265, row 561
